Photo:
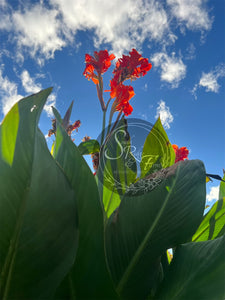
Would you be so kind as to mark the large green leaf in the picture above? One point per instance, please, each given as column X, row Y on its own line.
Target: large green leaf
column 159, row 212
column 197, row 271
column 111, row 199
column 38, row 217
column 89, row 147
column 222, row 188
column 157, row 151
column 117, row 167
column 89, row 275
column 213, row 223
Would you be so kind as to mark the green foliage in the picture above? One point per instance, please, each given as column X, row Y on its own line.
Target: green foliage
column 89, row 147
column 67, row 234
column 146, row 224
column 38, row 220
column 90, row 265
column 117, row 167
column 196, row 272
column 157, row 151
column 213, row 223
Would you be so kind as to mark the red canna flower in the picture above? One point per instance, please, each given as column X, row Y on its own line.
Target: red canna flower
column 181, row 153
column 126, row 108
column 99, row 63
column 123, row 94
column 131, row 66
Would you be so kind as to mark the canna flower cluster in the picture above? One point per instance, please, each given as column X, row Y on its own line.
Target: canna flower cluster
column 130, row 66
column 99, row 63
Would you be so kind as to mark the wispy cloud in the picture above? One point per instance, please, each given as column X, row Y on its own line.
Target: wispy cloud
column 38, row 30
column 190, row 52
column 213, row 193
column 31, row 87
column 192, row 13
column 165, row 115
column 209, row 81
column 123, row 24
column 29, row 84
column 41, row 29
column 9, row 91
column 173, row 70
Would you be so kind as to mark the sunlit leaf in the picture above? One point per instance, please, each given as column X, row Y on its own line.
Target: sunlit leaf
column 89, row 147
column 117, row 167
column 9, row 129
column 157, row 152
column 213, row 223
column 38, row 217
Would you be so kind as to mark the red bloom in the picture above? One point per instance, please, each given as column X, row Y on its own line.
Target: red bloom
column 131, row 66
column 99, row 63
column 123, row 94
column 126, row 108
column 181, row 153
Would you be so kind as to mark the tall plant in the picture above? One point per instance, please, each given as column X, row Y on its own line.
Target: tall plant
column 135, row 229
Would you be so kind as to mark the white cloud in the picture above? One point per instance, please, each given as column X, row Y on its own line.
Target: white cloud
column 2, row 3
column 50, row 102
column 209, row 81
column 8, row 93
column 192, row 13
column 38, row 30
column 213, row 194
column 31, row 87
column 123, row 24
column 28, row 83
column 173, row 70
column 42, row 29
column 165, row 115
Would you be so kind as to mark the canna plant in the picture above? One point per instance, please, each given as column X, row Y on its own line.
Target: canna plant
column 119, row 233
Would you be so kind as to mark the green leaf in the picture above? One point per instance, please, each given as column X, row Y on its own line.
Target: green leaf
column 9, row 129
column 222, row 188
column 157, row 213
column 111, row 199
column 197, row 271
column 66, row 119
column 89, row 147
column 117, row 167
column 157, row 152
column 213, row 223
column 38, row 220
column 89, row 274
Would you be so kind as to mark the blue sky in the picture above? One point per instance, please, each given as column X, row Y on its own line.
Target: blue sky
column 43, row 43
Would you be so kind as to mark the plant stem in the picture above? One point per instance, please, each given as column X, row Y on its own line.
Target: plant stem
column 103, row 127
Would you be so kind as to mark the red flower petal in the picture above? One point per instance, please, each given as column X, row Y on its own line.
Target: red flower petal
column 131, row 66
column 99, row 63
column 181, row 153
